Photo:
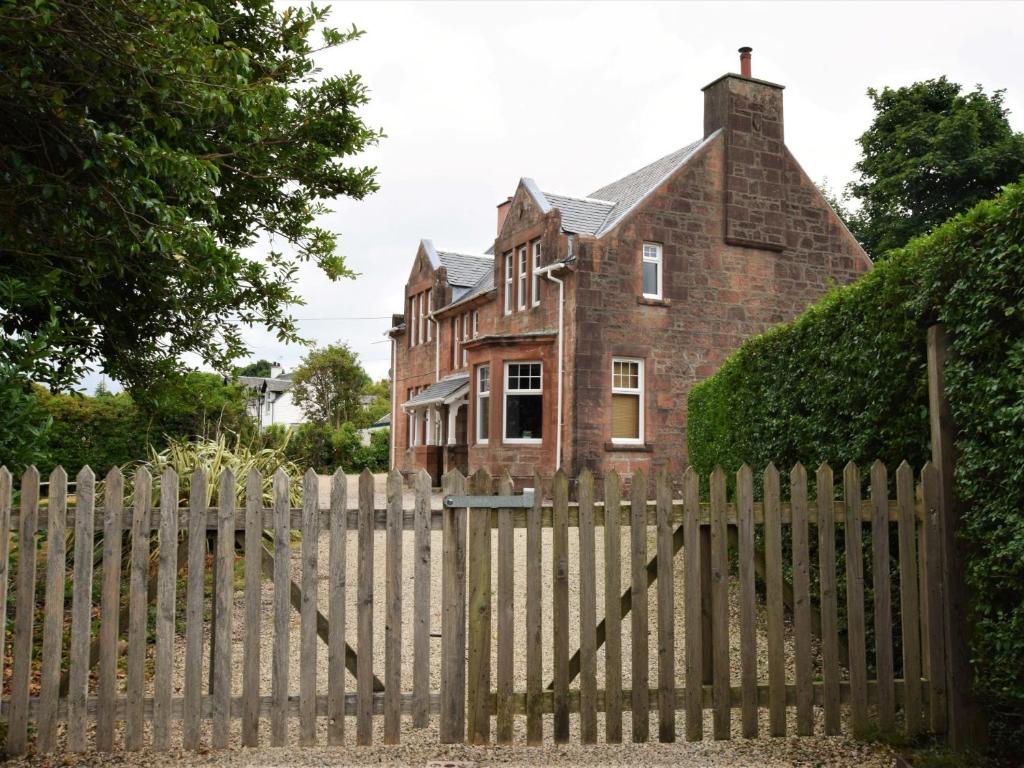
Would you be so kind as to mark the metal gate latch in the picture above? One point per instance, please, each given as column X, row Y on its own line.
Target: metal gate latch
column 524, row 501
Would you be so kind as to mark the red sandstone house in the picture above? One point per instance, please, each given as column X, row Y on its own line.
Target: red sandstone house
column 574, row 340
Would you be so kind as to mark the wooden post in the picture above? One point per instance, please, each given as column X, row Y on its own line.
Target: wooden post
column 960, row 730
column 560, row 606
column 453, row 616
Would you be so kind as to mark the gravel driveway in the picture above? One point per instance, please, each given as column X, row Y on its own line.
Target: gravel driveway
column 420, row 747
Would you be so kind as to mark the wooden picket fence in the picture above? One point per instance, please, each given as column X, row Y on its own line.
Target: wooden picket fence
column 78, row 681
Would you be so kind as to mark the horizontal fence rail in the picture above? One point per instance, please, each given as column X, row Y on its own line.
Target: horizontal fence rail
column 208, row 611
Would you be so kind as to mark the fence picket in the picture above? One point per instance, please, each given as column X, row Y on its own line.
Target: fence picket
column 364, row 613
column 612, row 608
column 282, row 607
column 393, row 612
column 909, row 604
column 81, row 603
column 829, row 607
column 748, row 600
column 110, row 608
column 886, row 696
column 478, row 665
column 453, row 616
column 506, row 618
column 560, row 605
column 588, row 610
column 167, row 578
column 693, row 607
column 803, row 661
column 308, row 609
column 194, row 609
column 53, row 612
column 223, row 597
column 6, row 496
column 24, row 612
column 855, row 600
column 720, row 606
column 936, row 643
column 666, row 614
column 336, row 611
column 421, row 608
column 534, row 612
column 253, row 542
column 138, row 609
column 773, row 586
column 638, row 559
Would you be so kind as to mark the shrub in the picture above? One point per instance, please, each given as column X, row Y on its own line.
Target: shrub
column 326, row 449
column 847, row 380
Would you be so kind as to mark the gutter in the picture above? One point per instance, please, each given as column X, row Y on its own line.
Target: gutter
column 548, row 273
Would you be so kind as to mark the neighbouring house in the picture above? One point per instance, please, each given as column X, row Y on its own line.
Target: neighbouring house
column 575, row 338
column 269, row 401
column 384, row 422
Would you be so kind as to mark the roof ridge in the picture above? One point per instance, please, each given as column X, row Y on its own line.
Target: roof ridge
column 582, row 198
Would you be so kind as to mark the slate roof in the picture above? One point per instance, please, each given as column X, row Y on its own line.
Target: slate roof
column 464, row 269
column 483, row 285
column 602, row 209
column 439, row 391
column 281, row 384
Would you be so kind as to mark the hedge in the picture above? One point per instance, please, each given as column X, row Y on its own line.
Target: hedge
column 847, row 381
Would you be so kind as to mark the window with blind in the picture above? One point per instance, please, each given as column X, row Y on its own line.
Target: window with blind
column 627, row 401
column 524, row 402
column 483, row 404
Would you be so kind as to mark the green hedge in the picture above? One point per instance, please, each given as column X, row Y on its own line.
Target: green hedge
column 847, row 380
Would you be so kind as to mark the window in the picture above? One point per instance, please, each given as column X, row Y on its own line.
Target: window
column 522, row 277
column 455, row 342
column 423, row 318
column 412, row 321
column 465, row 337
column 524, row 402
column 483, row 403
column 652, row 271
column 430, row 309
column 627, row 401
column 508, row 283
column 476, row 323
column 536, row 277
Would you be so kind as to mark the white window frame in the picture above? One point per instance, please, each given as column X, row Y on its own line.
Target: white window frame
column 652, row 254
column 413, row 323
column 521, row 277
column 483, row 414
column 423, row 319
column 504, row 403
column 465, row 337
column 476, row 323
column 430, row 311
column 629, row 391
column 455, row 342
column 508, row 283
column 535, row 288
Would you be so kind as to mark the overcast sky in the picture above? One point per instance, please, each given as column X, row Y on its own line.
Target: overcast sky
column 473, row 96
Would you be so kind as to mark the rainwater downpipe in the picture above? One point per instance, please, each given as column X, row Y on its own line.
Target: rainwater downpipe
column 547, row 272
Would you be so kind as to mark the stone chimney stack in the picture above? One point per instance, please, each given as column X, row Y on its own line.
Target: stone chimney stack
column 503, row 208
column 749, row 113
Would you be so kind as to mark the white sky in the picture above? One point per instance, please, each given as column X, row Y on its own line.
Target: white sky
column 575, row 95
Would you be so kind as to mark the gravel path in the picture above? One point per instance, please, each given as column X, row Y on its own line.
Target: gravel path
column 420, row 747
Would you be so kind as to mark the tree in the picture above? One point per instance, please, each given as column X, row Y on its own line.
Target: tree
column 144, row 146
column 256, row 368
column 930, row 153
column 328, row 383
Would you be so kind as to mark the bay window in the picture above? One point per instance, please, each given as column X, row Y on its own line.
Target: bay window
column 483, row 404
column 524, row 403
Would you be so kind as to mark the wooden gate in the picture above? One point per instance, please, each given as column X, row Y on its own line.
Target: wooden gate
column 161, row 619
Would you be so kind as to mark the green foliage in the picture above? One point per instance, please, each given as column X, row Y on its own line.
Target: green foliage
column 931, row 152
column 328, row 383
column 327, row 449
column 144, row 146
column 255, row 368
column 24, row 423
column 847, row 380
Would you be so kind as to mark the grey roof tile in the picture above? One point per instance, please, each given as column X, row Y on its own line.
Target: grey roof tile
column 439, row 390
column 465, row 269
column 281, row 384
column 581, row 215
